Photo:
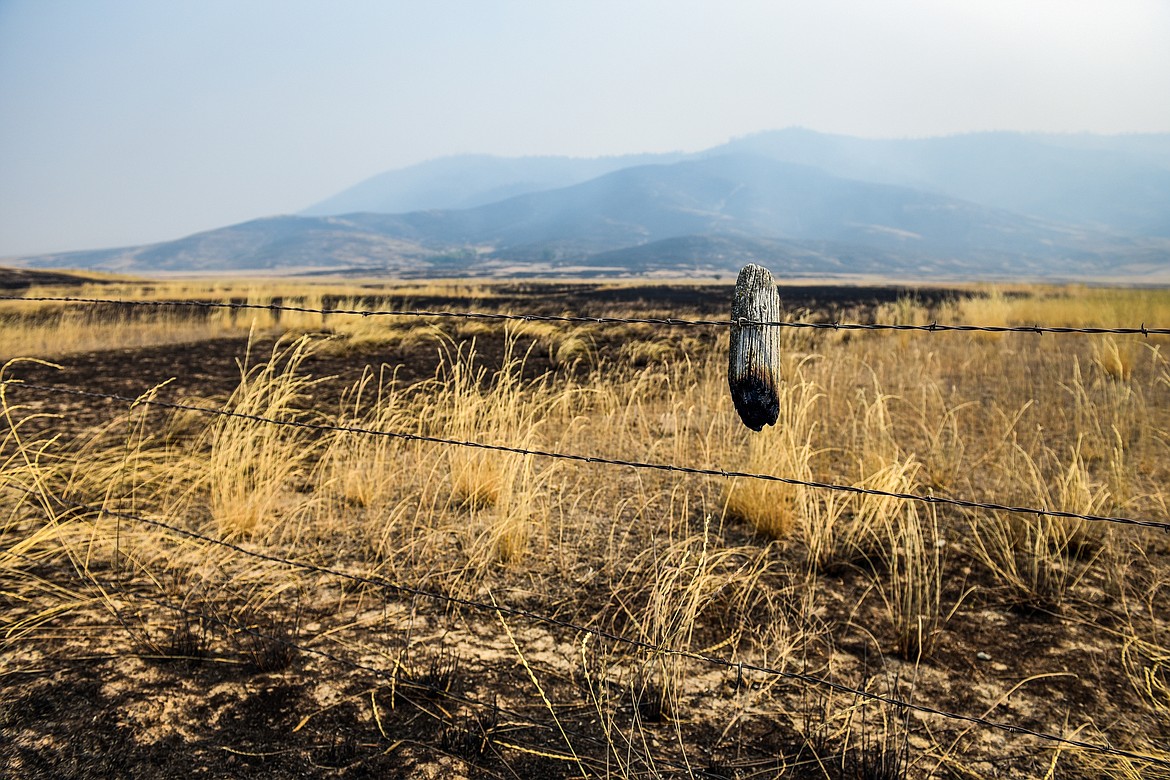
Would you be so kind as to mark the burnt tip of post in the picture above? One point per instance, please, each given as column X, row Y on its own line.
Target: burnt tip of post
column 755, row 399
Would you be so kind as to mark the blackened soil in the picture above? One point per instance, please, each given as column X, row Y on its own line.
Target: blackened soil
column 213, row 368
column 707, row 299
column 206, row 372
column 73, row 714
column 17, row 280
column 811, row 297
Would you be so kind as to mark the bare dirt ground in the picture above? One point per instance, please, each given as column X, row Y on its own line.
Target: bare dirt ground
column 436, row 690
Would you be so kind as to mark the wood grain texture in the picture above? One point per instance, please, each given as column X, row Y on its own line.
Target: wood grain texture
column 753, row 369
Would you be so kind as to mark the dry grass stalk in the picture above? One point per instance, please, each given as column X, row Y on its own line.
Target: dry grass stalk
column 1041, row 558
column 774, row 508
column 499, row 491
column 912, row 589
column 247, row 466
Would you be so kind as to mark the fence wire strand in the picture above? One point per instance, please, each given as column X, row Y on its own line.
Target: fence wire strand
column 598, row 459
column 600, row 633
column 933, row 327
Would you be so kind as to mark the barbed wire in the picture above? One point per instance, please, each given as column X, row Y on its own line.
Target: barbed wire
column 601, row 460
column 932, row 327
column 600, row 633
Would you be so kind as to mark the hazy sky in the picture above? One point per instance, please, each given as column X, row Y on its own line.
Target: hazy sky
column 124, row 122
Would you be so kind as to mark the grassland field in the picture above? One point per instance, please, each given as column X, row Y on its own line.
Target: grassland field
column 133, row 649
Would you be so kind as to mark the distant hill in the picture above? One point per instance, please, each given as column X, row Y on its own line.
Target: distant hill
column 469, row 180
column 1116, row 182
column 737, row 195
column 982, row 205
column 1119, row 183
column 269, row 244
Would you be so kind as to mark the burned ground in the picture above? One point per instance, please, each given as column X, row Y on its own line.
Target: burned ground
column 349, row 680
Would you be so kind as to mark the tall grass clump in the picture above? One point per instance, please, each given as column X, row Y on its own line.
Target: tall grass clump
column 912, row 588
column 774, row 508
column 367, row 471
column 1116, row 358
column 1040, row 558
column 944, row 436
column 682, row 585
column 247, row 467
column 846, row 529
column 498, row 490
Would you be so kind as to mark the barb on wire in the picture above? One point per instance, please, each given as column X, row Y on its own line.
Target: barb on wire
column 602, row 460
column 640, row 644
column 933, row 327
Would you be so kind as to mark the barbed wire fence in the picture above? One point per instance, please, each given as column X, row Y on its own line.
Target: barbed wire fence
column 67, row 503
column 591, row 459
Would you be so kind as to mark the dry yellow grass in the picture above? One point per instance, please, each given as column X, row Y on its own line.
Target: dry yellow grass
column 249, row 469
column 775, row 508
column 745, row 569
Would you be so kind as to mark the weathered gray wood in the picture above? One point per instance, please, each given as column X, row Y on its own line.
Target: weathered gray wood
column 753, row 369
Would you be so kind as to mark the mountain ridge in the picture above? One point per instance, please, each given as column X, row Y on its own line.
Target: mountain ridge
column 1008, row 170
column 793, row 197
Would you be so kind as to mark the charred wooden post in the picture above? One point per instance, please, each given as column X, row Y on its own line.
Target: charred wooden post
column 753, row 370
